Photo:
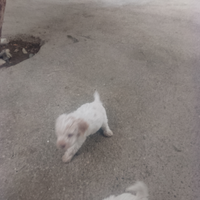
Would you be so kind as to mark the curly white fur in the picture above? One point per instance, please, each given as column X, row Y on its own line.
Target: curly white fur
column 72, row 129
column 138, row 191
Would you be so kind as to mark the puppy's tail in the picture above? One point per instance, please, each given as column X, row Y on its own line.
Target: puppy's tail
column 140, row 189
column 96, row 96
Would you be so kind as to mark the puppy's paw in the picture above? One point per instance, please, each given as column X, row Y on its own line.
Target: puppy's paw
column 108, row 133
column 66, row 158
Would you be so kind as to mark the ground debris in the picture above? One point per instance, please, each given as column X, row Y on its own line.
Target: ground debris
column 5, row 54
column 24, row 51
column 19, row 50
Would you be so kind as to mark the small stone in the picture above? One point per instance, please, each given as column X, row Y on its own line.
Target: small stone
column 47, row 141
column 2, row 62
column 31, row 55
column 4, row 41
column 16, row 50
column 5, row 54
column 24, row 51
column 7, row 51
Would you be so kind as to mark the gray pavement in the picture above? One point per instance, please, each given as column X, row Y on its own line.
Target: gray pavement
column 143, row 57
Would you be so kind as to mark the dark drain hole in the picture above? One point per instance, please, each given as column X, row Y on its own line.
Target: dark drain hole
column 17, row 51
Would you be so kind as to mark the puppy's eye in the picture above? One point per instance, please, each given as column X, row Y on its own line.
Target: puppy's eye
column 70, row 135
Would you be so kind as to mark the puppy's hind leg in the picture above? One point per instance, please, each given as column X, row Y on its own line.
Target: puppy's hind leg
column 106, row 129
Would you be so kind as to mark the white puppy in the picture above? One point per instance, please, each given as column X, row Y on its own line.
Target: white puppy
column 72, row 129
column 138, row 191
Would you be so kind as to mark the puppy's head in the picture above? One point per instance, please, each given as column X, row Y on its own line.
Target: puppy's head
column 68, row 130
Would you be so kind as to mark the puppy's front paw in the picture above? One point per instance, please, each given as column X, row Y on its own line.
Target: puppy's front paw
column 66, row 158
column 108, row 133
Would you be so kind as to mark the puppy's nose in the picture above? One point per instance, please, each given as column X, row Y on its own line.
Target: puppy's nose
column 61, row 144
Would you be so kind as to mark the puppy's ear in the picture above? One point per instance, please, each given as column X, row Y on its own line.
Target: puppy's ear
column 82, row 126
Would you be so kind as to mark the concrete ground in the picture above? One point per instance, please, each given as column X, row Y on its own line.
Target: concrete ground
column 143, row 57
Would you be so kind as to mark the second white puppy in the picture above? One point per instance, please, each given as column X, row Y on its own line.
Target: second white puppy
column 72, row 129
column 138, row 191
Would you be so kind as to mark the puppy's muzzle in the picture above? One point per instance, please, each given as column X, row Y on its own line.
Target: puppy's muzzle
column 62, row 144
